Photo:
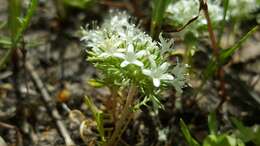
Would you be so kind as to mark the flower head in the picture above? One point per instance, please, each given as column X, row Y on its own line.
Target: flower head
column 119, row 43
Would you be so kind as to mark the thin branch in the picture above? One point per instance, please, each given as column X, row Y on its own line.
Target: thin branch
column 220, row 71
column 48, row 101
column 204, row 7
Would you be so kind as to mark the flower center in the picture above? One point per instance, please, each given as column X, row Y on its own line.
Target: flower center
column 130, row 56
column 157, row 73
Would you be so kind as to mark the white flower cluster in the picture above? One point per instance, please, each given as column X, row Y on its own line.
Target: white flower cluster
column 181, row 11
column 242, row 8
column 123, row 52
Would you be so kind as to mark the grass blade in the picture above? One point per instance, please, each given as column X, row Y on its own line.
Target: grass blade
column 223, row 22
column 212, row 122
column 98, row 116
column 159, row 8
column 14, row 12
column 185, row 131
column 225, row 55
column 17, row 32
column 246, row 133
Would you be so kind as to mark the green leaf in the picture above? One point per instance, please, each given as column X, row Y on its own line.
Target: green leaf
column 156, row 102
column 26, row 20
column 14, row 12
column 96, row 83
column 159, row 8
column 212, row 123
column 222, row 140
column 224, row 56
column 185, row 131
column 98, row 116
column 210, row 140
column 227, row 53
column 17, row 28
column 223, row 22
column 210, row 69
column 246, row 133
column 257, row 135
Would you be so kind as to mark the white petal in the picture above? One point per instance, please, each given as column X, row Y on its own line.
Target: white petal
column 164, row 66
column 124, row 64
column 130, row 48
column 138, row 63
column 167, row 77
column 156, row 82
column 147, row 72
column 140, row 53
column 119, row 55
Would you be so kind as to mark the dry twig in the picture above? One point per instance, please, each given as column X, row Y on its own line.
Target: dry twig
column 48, row 101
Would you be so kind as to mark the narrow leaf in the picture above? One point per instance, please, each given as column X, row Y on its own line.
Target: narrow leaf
column 185, row 131
column 214, row 64
column 98, row 116
column 246, row 133
column 212, row 123
column 17, row 31
column 227, row 53
column 159, row 8
column 14, row 12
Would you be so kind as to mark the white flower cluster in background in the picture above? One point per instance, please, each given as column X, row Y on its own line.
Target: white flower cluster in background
column 181, row 11
column 242, row 8
column 124, row 54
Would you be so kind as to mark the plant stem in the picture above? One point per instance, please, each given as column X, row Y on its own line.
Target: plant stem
column 210, row 29
column 126, row 116
column 220, row 71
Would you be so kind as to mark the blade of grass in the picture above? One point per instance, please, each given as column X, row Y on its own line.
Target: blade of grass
column 246, row 133
column 223, row 22
column 185, row 131
column 159, row 8
column 212, row 122
column 25, row 21
column 14, row 12
column 17, row 32
column 98, row 115
column 225, row 55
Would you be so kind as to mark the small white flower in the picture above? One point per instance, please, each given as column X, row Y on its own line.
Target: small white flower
column 130, row 57
column 165, row 44
column 158, row 73
column 110, row 48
